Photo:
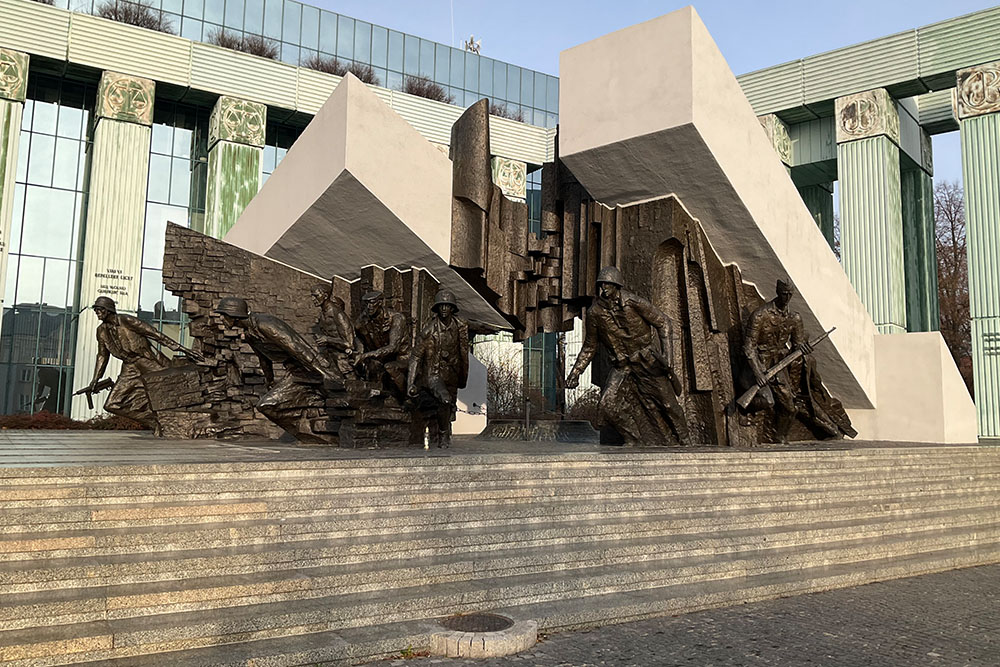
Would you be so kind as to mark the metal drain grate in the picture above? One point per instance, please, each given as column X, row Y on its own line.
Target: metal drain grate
column 477, row 622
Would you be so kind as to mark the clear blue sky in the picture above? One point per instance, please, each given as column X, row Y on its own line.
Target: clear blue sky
column 751, row 34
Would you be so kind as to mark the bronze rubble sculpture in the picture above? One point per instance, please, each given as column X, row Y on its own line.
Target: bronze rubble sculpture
column 295, row 400
column 127, row 338
column 773, row 333
column 639, row 398
column 385, row 335
column 439, row 366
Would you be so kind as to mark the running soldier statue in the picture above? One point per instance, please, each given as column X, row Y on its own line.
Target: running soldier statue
column 794, row 391
column 439, row 365
column 127, row 338
column 298, row 397
column 641, row 388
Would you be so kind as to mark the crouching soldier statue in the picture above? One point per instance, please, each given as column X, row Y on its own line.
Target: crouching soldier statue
column 127, row 338
column 298, row 397
column 385, row 335
column 641, row 390
column 439, row 366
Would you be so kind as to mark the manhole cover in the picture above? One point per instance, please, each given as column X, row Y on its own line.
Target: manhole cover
column 477, row 623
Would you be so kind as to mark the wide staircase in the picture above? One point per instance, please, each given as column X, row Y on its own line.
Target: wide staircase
column 288, row 563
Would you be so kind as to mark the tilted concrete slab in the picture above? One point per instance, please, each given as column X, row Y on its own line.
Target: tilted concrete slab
column 671, row 117
column 360, row 186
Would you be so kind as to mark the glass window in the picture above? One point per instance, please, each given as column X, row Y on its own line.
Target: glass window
column 289, row 53
column 500, row 81
column 191, row 29
column 45, row 115
column 541, row 90
column 290, row 24
column 427, row 58
column 183, row 141
column 43, row 149
column 442, row 60
column 194, row 9
column 457, row 79
column 180, row 182
column 172, row 6
column 48, row 227
column 552, row 96
column 234, row 14
column 159, row 178
column 394, row 80
column 253, row 17
column 380, row 47
column 362, row 42
column 55, row 281
column 64, row 174
column 157, row 217
column 527, row 87
column 70, row 122
column 345, row 37
column 471, row 71
column 310, row 27
column 272, row 18
column 163, row 138
column 215, row 10
column 396, row 50
column 9, row 296
column 411, row 52
column 15, row 223
column 486, row 77
column 29, row 280
column 26, row 113
column 513, row 83
column 328, row 32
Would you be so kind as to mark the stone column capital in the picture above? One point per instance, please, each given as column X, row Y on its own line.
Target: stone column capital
column 237, row 120
column 511, row 176
column 125, row 98
column 867, row 114
column 13, row 75
column 978, row 90
column 777, row 132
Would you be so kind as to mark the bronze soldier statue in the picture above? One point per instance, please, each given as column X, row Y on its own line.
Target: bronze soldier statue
column 334, row 332
column 299, row 396
column 127, row 338
column 796, row 392
column 641, row 387
column 385, row 335
column 439, row 365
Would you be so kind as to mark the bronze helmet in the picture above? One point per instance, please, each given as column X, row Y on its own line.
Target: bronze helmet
column 445, row 297
column 233, row 306
column 611, row 274
column 105, row 302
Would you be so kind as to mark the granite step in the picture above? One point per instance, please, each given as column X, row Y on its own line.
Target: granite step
column 187, row 630
column 508, row 556
column 180, row 511
column 238, row 558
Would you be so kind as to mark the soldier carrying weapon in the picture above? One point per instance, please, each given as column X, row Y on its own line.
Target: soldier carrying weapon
column 127, row 338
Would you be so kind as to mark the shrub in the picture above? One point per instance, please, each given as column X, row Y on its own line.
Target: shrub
column 424, row 87
column 503, row 111
column 331, row 65
column 255, row 45
column 135, row 12
column 365, row 73
column 57, row 422
column 45, row 2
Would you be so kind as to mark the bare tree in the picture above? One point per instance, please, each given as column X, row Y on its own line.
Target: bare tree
column 135, row 12
column 424, row 87
column 953, row 274
column 503, row 111
column 332, row 65
column 256, row 45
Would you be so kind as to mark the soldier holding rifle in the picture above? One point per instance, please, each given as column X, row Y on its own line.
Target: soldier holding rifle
column 127, row 338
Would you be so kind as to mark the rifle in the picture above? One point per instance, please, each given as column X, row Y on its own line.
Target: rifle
column 744, row 400
column 106, row 383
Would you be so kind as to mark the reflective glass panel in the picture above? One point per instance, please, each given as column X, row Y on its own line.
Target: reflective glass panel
column 310, row 27
column 362, row 41
column 527, row 87
column 471, row 71
column 457, row 78
column 66, row 162
column 553, row 95
column 215, row 11
column 513, row 83
column 442, row 62
column 234, row 14
column 272, row 18
column 486, row 77
column 291, row 23
column 380, row 46
column 328, row 32
column 42, row 154
column 194, row 8
column 396, row 50
column 345, row 37
column 427, row 58
column 48, row 227
column 253, row 16
column 411, row 55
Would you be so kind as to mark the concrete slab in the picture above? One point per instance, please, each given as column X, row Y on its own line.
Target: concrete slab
column 359, row 187
column 672, row 116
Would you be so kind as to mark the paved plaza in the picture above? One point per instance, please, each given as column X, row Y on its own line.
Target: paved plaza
column 942, row 620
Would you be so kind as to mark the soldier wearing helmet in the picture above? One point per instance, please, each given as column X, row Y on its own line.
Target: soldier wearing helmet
column 385, row 335
column 127, row 338
column 439, row 364
column 297, row 397
column 334, row 331
column 641, row 387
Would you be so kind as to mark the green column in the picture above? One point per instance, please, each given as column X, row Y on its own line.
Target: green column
column 13, row 86
column 871, row 218
column 236, row 141
column 919, row 244
column 116, row 212
column 978, row 93
column 819, row 200
column 777, row 133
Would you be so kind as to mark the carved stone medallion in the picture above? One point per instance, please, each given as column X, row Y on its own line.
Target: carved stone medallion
column 126, row 98
column 777, row 132
column 978, row 90
column 13, row 75
column 511, row 176
column 239, row 121
column 865, row 115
